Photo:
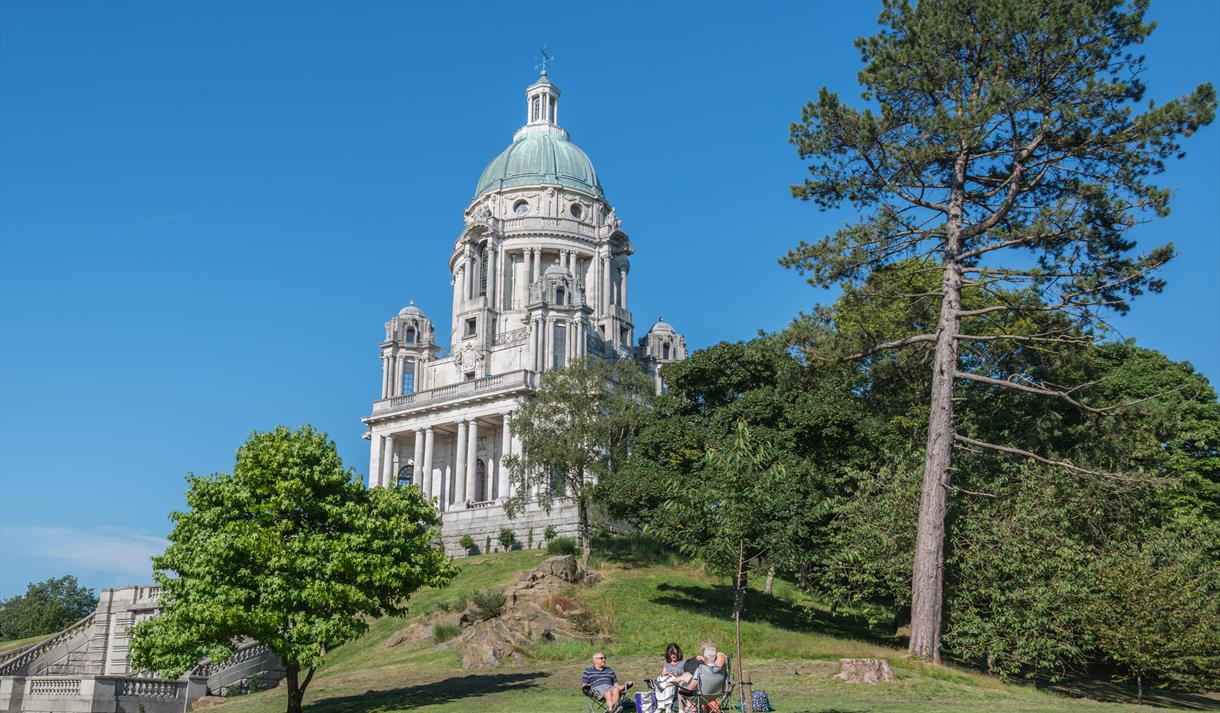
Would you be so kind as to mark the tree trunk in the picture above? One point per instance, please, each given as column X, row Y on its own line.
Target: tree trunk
column 583, row 509
column 803, row 581
column 296, row 687
column 739, row 605
column 928, row 578
column 770, row 580
column 902, row 616
column 294, row 690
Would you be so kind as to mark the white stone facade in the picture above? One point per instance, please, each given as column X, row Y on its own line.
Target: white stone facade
column 540, row 277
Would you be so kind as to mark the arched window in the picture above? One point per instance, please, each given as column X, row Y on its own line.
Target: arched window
column 559, row 295
column 408, row 376
column 537, row 109
column 665, row 351
column 552, row 104
column 480, row 481
column 406, row 475
column 409, row 338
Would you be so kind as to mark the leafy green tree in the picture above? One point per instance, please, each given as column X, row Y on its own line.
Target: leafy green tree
column 291, row 550
column 1158, row 610
column 46, row 607
column 808, row 415
column 575, row 433
column 724, row 519
column 1005, row 146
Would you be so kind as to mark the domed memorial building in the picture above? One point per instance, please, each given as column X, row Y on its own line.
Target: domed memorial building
column 540, row 275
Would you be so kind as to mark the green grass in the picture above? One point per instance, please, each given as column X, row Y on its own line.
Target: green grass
column 16, row 645
column 790, row 644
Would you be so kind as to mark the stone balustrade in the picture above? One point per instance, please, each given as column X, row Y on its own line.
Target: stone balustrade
column 517, row 336
column 57, row 687
column 243, row 654
column 22, row 659
column 148, row 687
column 497, row 382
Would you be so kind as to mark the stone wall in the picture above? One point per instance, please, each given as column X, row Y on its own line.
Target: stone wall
column 483, row 522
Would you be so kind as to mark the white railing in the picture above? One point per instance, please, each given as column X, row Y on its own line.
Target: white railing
column 513, row 379
column 59, row 687
column 146, row 688
column 481, row 504
column 25, row 657
column 146, row 593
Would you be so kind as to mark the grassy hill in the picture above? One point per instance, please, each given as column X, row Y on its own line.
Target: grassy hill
column 790, row 646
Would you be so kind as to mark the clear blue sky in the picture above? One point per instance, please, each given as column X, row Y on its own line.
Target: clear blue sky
column 208, row 210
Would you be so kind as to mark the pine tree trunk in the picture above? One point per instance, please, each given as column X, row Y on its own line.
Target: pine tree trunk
column 928, row 578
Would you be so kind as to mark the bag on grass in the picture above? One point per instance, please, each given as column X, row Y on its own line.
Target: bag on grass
column 760, row 702
column 646, row 702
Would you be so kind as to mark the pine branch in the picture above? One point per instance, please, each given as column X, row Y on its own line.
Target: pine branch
column 896, row 344
column 1067, row 465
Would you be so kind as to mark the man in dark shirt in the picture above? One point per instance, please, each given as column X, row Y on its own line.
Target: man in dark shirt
column 602, row 683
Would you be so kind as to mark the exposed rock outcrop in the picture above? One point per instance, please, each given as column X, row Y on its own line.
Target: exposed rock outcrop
column 864, row 671
column 523, row 623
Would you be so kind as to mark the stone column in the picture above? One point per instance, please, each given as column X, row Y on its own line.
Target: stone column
column 506, row 444
column 515, row 449
column 606, row 286
column 622, row 276
column 433, row 484
column 533, row 342
column 375, row 446
column 458, row 497
column 548, row 341
column 417, row 460
column 385, row 377
column 491, row 276
column 472, row 458
column 387, row 462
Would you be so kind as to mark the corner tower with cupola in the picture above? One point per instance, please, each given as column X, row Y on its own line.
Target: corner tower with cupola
column 539, row 273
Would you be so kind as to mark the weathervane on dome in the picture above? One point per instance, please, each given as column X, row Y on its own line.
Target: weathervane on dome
column 546, row 59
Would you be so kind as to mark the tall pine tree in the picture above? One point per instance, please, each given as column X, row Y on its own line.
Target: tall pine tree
column 1005, row 141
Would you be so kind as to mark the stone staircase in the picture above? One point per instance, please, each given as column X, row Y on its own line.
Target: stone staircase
column 84, row 668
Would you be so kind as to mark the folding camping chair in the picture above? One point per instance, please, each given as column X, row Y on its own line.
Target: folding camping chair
column 715, row 687
column 593, row 704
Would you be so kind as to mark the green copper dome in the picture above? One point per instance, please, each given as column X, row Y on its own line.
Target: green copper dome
column 542, row 156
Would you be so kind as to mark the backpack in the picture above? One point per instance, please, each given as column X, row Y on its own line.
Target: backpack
column 759, row 701
column 646, row 702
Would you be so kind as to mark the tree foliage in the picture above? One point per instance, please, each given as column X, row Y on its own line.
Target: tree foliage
column 1006, row 148
column 290, row 550
column 45, row 608
column 576, row 433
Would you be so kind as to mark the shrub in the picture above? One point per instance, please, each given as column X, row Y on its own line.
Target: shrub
column 487, row 544
column 488, row 603
column 562, row 546
column 549, row 533
column 584, row 621
column 467, row 543
column 508, row 538
column 456, row 605
column 444, row 631
column 530, row 540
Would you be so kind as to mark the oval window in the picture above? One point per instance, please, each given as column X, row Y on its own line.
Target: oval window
column 521, row 207
column 575, row 210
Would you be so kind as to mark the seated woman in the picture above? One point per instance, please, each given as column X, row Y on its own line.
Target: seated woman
column 671, row 676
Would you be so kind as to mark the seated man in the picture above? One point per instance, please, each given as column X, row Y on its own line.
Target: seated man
column 601, row 682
